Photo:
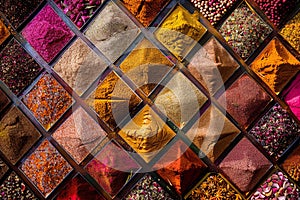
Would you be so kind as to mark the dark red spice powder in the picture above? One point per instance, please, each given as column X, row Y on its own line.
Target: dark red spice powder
column 47, row 33
column 17, row 68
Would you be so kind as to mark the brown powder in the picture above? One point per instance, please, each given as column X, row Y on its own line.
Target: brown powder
column 4, row 100
column 292, row 164
column 4, row 33
column 275, row 65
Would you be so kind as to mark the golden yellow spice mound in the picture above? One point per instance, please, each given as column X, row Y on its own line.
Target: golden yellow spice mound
column 275, row 65
column 180, row 31
column 4, row 33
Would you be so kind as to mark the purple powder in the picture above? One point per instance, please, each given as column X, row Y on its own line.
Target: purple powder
column 47, row 33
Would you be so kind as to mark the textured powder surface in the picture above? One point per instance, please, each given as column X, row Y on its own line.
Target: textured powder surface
column 17, row 11
column 17, row 135
column 16, row 62
column 4, row 100
column 14, row 188
column 145, row 65
column 244, row 30
column 147, row 134
column 148, row 189
column 46, row 168
column 214, row 187
column 47, row 33
column 4, row 32
column 245, row 165
column 212, row 133
column 292, row 164
column 244, row 99
column 292, row 97
column 3, row 168
column 145, row 11
column 275, row 65
column 79, row 134
column 79, row 66
column 48, row 101
column 212, row 65
column 112, row 168
column 112, row 31
column 180, row 166
column 180, row 100
column 180, row 31
column 276, row 131
column 291, row 32
column 78, row 189
column 112, row 100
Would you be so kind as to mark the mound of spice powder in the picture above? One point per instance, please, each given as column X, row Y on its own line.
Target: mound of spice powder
column 244, row 30
column 3, row 168
column 275, row 65
column 292, row 97
column 276, row 10
column 4, row 32
column 276, row 131
column 213, row 10
column 145, row 11
column 245, row 165
column 148, row 189
column 4, row 100
column 17, row 134
column 79, row 11
column 292, row 164
column 48, row 101
column 277, row 186
column 291, row 32
column 214, row 187
column 17, row 11
column 112, row 168
column 17, row 67
column 77, row 189
column 47, row 33
column 14, row 188
column 180, row 31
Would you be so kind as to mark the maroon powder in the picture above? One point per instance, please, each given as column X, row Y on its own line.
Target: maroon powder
column 47, row 33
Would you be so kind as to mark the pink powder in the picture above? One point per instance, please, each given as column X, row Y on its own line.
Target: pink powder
column 293, row 96
column 47, row 33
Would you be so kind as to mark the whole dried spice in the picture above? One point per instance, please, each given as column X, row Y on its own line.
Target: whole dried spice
column 17, row 67
column 4, row 100
column 244, row 30
column 214, row 187
column 14, row 188
column 245, row 165
column 292, row 164
column 79, row 134
column 275, row 65
column 4, row 32
column 46, row 168
column 213, row 10
column 276, row 10
column 77, row 189
column 180, row 31
column 180, row 167
column 17, row 135
column 292, row 96
column 291, row 32
column 276, row 131
column 148, row 189
column 47, row 100
column 112, row 167
column 145, row 11
column 277, row 186
column 47, row 33
column 3, row 168
column 244, row 99
column 17, row 11
column 79, row 66
column 79, row 11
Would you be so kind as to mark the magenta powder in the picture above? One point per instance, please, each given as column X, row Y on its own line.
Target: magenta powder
column 293, row 97
column 47, row 33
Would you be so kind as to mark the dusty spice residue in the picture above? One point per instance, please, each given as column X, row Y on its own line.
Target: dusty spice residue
column 180, row 31
column 4, row 32
column 145, row 11
column 48, row 101
column 275, row 65
column 292, row 164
